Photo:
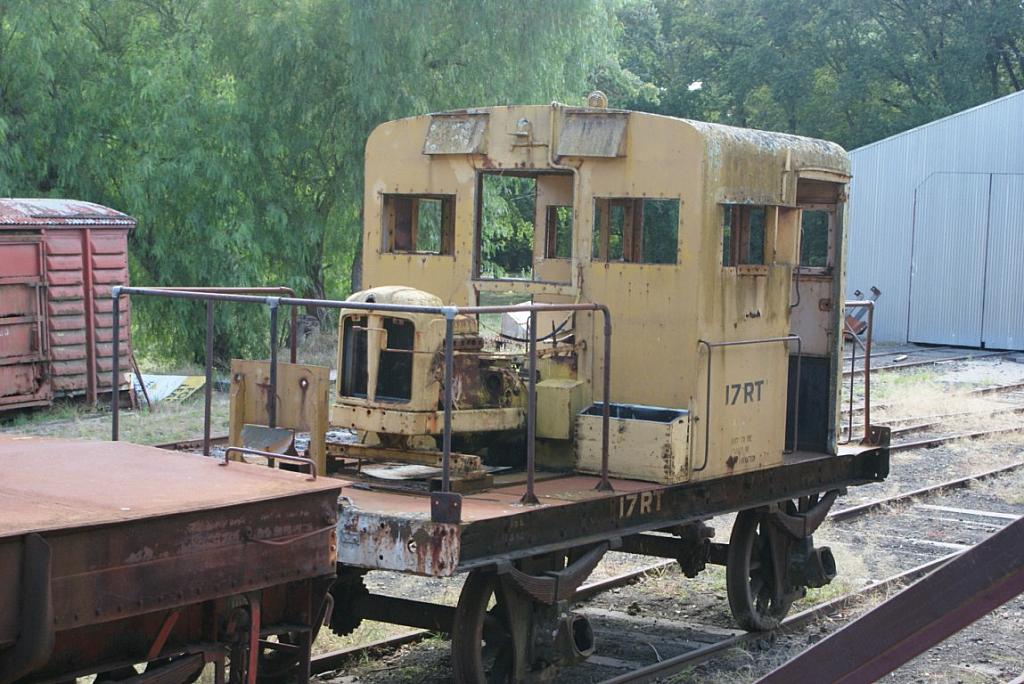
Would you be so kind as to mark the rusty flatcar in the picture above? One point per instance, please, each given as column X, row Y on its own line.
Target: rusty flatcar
column 136, row 564
column 521, row 451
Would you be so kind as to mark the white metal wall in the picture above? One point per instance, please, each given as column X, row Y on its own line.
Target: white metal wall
column 1003, row 326
column 947, row 292
column 944, row 166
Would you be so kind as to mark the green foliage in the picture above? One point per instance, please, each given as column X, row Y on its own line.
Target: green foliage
column 507, row 228
column 847, row 71
column 234, row 131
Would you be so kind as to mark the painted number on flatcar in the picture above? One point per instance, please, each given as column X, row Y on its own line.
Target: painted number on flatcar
column 751, row 392
column 641, row 503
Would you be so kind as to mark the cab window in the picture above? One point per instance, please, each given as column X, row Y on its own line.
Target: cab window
column 636, row 230
column 743, row 235
column 419, row 224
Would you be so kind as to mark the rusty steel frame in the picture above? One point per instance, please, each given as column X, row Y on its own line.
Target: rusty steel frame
column 544, row 529
column 268, row 290
column 445, row 505
column 965, row 589
column 90, row 594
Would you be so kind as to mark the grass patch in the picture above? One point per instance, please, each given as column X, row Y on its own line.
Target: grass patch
column 166, row 422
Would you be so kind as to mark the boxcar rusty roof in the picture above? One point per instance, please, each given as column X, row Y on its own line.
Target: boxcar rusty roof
column 43, row 211
column 52, row 484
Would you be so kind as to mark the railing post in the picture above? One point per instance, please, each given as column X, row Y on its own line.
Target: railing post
column 446, row 506
column 209, row 378
column 115, row 365
column 446, row 439
column 293, row 347
column 529, row 497
column 605, row 485
column 273, row 303
column 867, row 370
column 796, row 395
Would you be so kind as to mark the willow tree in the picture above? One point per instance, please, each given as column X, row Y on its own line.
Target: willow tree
column 314, row 77
column 234, row 131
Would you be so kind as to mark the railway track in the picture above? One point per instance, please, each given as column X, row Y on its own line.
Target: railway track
column 977, row 392
column 336, row 659
column 192, row 444
column 926, row 362
column 675, row 664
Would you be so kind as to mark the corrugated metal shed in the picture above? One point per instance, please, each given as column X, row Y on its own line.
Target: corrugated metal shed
column 937, row 223
column 59, row 260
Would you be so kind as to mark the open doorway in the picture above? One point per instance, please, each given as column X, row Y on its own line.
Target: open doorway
column 524, row 226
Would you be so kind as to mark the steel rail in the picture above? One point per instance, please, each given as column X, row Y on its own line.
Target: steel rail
column 929, row 362
column 861, row 509
column 670, row 666
column 980, row 391
column 944, row 439
column 938, row 420
column 293, row 346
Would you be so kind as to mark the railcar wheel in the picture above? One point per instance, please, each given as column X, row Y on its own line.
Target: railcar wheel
column 490, row 633
column 754, row 599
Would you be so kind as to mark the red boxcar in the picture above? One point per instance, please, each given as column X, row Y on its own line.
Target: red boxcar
column 59, row 260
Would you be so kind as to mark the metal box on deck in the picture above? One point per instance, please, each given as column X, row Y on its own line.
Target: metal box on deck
column 647, row 443
column 558, row 402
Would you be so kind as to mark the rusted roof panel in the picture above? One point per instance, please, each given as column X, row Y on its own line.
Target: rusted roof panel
column 593, row 133
column 44, row 211
column 456, row 133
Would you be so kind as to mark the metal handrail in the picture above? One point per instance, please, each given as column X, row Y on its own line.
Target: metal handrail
column 868, row 334
column 243, row 451
column 293, row 347
column 448, row 312
column 707, row 392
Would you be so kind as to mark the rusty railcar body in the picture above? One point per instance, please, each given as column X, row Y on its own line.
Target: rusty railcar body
column 112, row 555
column 521, row 456
column 59, row 259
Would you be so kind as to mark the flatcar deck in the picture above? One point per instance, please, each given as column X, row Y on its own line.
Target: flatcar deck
column 392, row 530
column 112, row 553
column 56, row 484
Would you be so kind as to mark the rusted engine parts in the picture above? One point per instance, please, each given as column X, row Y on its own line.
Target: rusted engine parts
column 391, row 386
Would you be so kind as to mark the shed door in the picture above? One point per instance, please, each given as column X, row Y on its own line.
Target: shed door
column 1003, row 326
column 23, row 377
column 947, row 270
